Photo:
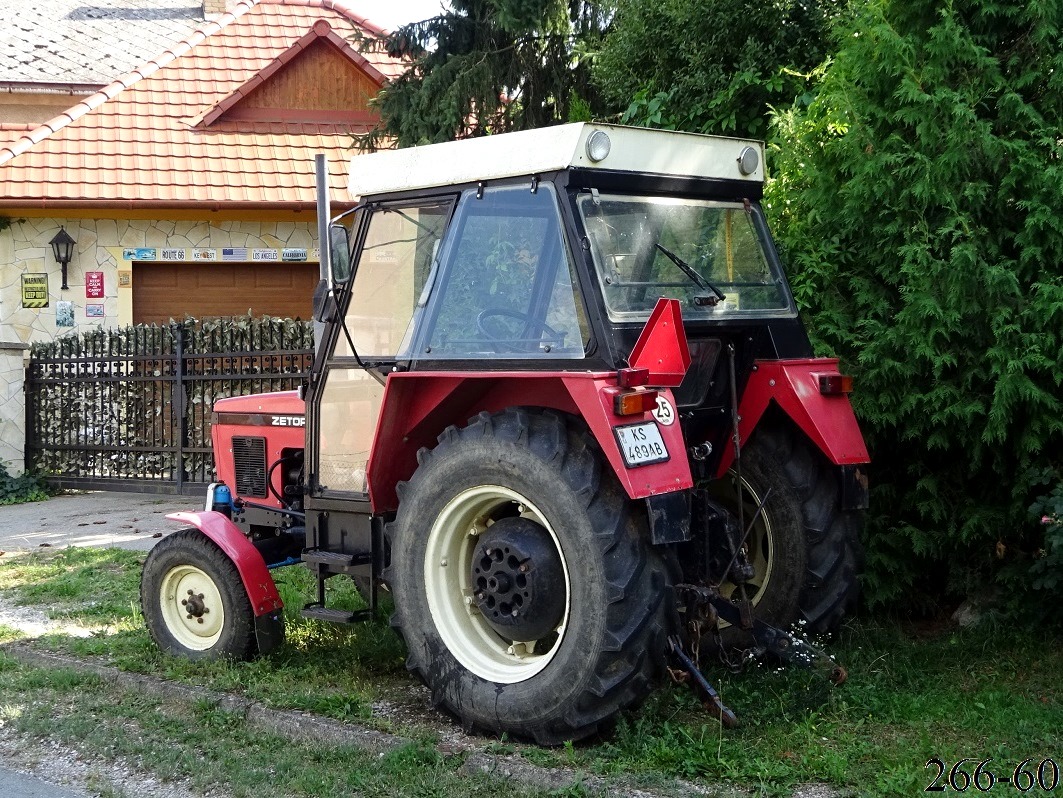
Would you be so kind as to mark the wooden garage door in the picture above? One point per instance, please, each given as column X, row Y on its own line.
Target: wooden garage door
column 164, row 291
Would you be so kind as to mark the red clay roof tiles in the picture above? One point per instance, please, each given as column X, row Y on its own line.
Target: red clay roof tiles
column 159, row 136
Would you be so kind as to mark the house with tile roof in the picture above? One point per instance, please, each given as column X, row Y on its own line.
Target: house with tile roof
column 187, row 184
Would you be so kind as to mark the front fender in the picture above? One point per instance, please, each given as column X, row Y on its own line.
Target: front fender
column 260, row 587
column 793, row 385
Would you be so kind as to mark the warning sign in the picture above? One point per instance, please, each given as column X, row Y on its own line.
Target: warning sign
column 35, row 290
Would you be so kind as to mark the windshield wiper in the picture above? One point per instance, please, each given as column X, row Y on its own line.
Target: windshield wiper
column 701, row 282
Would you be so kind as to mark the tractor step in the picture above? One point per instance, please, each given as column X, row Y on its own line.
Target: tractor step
column 334, row 561
column 334, row 616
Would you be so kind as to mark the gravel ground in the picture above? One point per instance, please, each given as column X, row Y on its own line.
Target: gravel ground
column 66, row 768
column 99, row 518
column 33, row 622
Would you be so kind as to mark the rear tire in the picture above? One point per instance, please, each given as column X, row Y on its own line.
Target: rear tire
column 560, row 660
column 805, row 548
column 193, row 600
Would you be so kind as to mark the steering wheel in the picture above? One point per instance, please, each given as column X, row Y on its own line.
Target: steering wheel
column 515, row 344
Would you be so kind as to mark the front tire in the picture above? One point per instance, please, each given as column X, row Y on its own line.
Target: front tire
column 193, row 600
column 524, row 587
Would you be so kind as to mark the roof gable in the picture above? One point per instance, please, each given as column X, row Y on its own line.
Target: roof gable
column 320, row 78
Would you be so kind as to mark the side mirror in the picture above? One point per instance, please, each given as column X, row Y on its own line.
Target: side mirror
column 339, row 253
column 324, row 303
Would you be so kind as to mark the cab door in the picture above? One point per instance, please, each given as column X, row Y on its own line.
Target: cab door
column 392, row 275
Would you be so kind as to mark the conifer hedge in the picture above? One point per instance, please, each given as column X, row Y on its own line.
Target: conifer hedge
column 919, row 200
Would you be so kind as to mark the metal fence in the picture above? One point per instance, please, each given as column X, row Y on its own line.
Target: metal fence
column 130, row 408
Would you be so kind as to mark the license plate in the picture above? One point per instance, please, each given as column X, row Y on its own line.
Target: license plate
column 641, row 444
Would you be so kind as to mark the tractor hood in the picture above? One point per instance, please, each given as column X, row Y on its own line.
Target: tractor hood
column 281, row 403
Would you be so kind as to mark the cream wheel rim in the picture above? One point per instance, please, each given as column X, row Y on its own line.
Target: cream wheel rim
column 759, row 546
column 449, row 589
column 192, row 607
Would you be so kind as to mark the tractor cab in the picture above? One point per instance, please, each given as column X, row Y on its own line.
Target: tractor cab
column 551, row 256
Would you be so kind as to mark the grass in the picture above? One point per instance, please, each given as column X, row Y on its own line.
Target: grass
column 205, row 747
column 983, row 693
column 82, row 585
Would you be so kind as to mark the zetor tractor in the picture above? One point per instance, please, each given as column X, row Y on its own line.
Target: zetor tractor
column 563, row 409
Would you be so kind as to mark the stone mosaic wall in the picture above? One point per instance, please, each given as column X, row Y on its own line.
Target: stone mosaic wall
column 24, row 249
column 12, row 407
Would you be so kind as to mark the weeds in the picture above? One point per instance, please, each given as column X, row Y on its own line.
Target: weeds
column 25, row 487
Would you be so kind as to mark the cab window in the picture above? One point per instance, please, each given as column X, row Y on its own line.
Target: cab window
column 507, row 286
column 390, row 278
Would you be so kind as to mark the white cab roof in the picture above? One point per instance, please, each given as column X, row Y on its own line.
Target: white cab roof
column 549, row 149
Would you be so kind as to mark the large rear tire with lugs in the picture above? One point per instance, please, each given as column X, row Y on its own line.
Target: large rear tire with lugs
column 804, row 548
column 524, row 586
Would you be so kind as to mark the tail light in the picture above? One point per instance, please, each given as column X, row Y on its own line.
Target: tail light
column 632, row 378
column 835, row 384
column 633, row 403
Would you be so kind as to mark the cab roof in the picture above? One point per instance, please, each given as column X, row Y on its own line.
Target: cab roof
column 550, row 149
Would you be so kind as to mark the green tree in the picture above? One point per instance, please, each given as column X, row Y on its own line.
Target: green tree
column 489, row 66
column 921, row 208
column 711, row 67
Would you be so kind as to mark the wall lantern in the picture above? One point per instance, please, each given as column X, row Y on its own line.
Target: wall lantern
column 63, row 249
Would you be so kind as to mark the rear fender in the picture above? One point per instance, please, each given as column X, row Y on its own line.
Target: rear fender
column 418, row 406
column 793, row 385
column 261, row 589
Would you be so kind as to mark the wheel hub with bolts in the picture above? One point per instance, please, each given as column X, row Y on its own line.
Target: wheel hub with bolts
column 518, row 579
column 195, row 606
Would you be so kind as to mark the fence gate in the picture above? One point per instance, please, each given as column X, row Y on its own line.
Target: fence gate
column 130, row 408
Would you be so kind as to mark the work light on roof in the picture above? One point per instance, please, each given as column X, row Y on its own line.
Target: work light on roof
column 748, row 160
column 598, row 145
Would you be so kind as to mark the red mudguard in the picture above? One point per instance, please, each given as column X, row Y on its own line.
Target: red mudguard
column 261, row 590
column 418, row 405
column 828, row 420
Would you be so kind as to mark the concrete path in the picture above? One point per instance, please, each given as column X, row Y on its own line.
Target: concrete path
column 120, row 520
column 17, row 785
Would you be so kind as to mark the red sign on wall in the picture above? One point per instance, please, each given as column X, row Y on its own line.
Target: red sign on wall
column 93, row 285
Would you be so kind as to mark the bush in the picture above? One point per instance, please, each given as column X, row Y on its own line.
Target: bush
column 1047, row 567
column 23, row 488
column 919, row 202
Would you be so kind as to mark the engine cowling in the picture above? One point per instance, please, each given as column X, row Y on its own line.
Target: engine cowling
column 251, row 435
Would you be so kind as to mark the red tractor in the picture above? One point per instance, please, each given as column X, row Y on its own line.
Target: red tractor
column 564, row 410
